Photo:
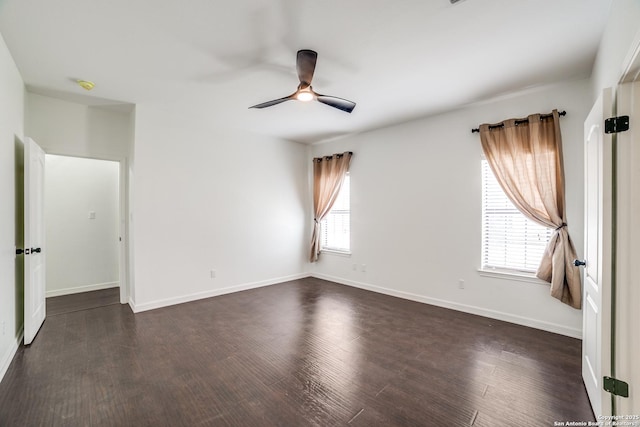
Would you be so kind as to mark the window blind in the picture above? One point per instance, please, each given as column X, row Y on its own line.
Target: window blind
column 510, row 241
column 335, row 228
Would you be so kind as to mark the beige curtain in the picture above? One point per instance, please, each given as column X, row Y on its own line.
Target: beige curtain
column 526, row 158
column 328, row 176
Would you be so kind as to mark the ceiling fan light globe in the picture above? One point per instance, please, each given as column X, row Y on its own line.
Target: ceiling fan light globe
column 304, row 96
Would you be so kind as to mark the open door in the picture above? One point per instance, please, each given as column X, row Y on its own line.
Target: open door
column 596, row 328
column 34, row 233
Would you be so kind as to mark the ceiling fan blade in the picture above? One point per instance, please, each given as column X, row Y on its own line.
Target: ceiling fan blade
column 306, row 65
column 335, row 102
column 274, row 102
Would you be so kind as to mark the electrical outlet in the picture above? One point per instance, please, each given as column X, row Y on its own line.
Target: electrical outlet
column 355, row 267
column 213, row 274
column 363, row 268
column 460, row 284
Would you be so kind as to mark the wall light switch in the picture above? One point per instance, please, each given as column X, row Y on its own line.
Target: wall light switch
column 92, row 215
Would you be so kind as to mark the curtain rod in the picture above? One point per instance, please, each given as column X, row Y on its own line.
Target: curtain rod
column 319, row 159
column 542, row 116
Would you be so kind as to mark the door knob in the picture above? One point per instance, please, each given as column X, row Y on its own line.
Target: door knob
column 579, row 263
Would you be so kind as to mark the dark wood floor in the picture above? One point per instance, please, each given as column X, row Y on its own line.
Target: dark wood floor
column 301, row 353
column 82, row 301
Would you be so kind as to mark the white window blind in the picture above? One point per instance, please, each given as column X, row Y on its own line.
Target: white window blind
column 335, row 228
column 510, row 241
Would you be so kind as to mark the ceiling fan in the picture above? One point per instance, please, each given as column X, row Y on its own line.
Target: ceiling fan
column 306, row 65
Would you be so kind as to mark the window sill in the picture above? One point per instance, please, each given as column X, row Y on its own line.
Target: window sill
column 336, row 252
column 512, row 275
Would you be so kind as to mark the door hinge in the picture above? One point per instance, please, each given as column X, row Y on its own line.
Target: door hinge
column 616, row 387
column 616, row 124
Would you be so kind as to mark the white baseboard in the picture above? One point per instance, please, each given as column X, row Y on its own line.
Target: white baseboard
column 7, row 357
column 137, row 308
column 79, row 289
column 480, row 311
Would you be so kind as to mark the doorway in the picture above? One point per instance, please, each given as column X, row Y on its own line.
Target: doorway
column 83, row 238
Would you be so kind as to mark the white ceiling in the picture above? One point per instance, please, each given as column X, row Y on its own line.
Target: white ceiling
column 398, row 60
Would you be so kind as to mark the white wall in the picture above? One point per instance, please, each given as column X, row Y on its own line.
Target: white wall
column 72, row 129
column 11, row 128
column 416, row 210
column 82, row 253
column 621, row 36
column 207, row 198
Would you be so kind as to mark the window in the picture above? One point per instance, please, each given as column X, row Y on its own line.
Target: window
column 335, row 228
column 510, row 241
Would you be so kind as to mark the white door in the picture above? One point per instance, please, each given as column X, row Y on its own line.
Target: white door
column 596, row 327
column 34, row 232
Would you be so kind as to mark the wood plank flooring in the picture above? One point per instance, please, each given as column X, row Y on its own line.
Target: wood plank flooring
column 82, row 301
column 301, row 353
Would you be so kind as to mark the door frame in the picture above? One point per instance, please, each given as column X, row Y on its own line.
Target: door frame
column 627, row 297
column 123, row 223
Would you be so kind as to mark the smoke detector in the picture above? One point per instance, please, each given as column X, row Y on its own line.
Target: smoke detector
column 85, row 84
